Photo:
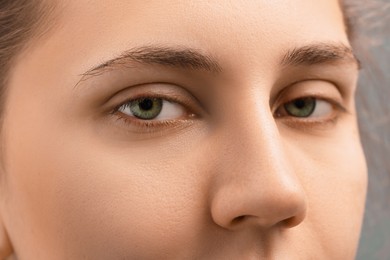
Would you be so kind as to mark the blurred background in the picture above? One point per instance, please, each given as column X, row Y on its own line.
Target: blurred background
column 371, row 20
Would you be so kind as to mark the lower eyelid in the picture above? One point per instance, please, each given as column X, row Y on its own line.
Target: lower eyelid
column 310, row 125
column 142, row 129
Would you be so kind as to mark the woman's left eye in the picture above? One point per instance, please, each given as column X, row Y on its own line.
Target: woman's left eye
column 306, row 107
column 151, row 108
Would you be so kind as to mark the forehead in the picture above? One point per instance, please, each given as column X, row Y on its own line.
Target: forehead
column 175, row 19
column 256, row 28
column 202, row 12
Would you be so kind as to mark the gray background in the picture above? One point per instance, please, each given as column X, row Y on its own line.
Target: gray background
column 373, row 102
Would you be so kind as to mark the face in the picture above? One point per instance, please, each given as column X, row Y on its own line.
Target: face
column 188, row 130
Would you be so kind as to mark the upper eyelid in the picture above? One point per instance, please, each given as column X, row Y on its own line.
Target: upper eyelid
column 163, row 97
column 343, row 77
column 164, row 90
column 134, row 99
column 317, row 88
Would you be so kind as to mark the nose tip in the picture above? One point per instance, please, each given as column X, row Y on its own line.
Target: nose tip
column 255, row 182
column 253, row 207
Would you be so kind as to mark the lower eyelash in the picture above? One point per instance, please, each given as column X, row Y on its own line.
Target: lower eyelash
column 143, row 123
column 135, row 125
column 310, row 125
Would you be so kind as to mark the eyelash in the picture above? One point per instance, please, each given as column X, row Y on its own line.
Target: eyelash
column 152, row 125
column 337, row 107
column 149, row 125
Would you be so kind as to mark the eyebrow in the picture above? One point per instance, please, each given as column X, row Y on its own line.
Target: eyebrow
column 320, row 53
column 176, row 57
column 192, row 59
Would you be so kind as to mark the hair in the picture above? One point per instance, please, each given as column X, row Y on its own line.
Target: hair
column 20, row 22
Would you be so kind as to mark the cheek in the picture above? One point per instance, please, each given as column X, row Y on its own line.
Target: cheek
column 84, row 195
column 76, row 192
column 334, row 175
column 133, row 202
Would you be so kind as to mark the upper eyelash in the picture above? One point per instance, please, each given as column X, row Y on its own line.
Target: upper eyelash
column 334, row 103
column 150, row 124
column 309, row 124
column 164, row 97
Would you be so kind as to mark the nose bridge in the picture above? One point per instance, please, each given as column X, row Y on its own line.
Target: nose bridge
column 253, row 141
column 256, row 184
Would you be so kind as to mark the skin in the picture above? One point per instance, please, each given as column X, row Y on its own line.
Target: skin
column 232, row 177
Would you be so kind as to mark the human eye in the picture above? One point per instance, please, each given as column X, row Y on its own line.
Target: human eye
column 308, row 107
column 152, row 108
column 312, row 103
column 155, row 110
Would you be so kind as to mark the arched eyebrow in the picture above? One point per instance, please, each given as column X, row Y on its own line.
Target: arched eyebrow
column 192, row 59
column 320, row 53
column 175, row 57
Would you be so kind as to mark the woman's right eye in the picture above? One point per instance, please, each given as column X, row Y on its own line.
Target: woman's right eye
column 153, row 109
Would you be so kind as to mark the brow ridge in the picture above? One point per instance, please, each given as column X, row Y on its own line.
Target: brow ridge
column 177, row 57
column 319, row 53
column 182, row 57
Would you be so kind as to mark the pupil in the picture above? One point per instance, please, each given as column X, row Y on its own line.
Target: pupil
column 300, row 103
column 146, row 104
column 302, row 107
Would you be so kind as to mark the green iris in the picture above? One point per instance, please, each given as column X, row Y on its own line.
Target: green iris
column 302, row 107
column 146, row 108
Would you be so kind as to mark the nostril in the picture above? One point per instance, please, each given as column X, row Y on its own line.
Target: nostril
column 238, row 219
column 293, row 221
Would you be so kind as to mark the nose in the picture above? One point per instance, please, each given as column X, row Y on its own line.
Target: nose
column 255, row 185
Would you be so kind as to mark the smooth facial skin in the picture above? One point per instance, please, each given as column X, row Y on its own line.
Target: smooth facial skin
column 230, row 168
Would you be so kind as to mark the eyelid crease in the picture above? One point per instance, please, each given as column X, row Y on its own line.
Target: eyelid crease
column 166, row 91
column 316, row 88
